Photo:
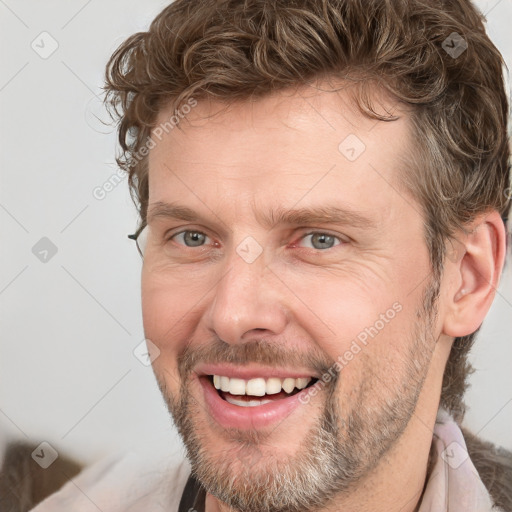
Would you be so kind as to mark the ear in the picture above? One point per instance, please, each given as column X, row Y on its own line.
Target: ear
column 475, row 274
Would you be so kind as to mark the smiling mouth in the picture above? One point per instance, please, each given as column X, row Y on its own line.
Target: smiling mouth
column 258, row 391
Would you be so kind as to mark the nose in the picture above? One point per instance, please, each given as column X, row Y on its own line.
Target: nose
column 247, row 301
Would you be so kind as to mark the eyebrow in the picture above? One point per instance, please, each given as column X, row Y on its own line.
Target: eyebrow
column 171, row 211
column 300, row 216
column 319, row 215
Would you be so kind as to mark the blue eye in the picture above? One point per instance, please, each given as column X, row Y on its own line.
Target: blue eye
column 190, row 238
column 322, row 241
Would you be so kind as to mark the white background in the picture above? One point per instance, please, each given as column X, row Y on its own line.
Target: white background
column 69, row 326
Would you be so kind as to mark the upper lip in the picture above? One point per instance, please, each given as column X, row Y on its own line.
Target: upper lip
column 248, row 372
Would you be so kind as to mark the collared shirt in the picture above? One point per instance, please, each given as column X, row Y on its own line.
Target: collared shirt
column 123, row 486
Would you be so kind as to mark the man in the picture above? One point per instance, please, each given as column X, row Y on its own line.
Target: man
column 323, row 196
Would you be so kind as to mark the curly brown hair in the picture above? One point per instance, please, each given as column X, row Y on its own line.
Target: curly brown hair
column 233, row 50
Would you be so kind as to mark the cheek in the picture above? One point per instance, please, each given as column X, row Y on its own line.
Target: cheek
column 168, row 319
column 336, row 309
column 363, row 325
column 170, row 310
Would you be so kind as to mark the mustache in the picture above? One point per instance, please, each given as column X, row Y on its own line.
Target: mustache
column 256, row 351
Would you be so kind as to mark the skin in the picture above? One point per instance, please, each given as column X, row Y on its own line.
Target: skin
column 233, row 166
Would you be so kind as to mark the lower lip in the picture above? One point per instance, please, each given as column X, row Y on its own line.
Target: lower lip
column 235, row 416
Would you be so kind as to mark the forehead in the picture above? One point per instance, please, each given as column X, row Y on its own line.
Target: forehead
column 300, row 145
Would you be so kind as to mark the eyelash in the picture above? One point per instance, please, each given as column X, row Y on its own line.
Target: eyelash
column 339, row 239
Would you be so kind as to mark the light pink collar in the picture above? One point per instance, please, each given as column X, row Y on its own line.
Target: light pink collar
column 454, row 484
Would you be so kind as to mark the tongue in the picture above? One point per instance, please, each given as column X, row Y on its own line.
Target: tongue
column 247, row 398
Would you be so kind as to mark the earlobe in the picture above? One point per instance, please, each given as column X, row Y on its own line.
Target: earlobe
column 477, row 275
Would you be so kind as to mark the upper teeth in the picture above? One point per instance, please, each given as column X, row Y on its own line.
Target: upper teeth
column 258, row 386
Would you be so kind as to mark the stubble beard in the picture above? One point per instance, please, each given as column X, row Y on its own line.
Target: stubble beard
column 336, row 454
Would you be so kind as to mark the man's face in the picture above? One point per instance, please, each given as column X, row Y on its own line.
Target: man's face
column 282, row 246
